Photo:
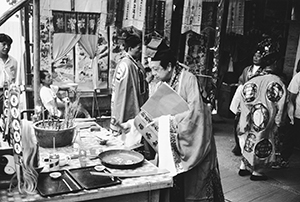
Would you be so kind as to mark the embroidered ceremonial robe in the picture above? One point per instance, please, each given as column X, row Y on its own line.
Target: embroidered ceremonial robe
column 261, row 106
column 195, row 144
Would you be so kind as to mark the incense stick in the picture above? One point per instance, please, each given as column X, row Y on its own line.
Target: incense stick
column 53, row 144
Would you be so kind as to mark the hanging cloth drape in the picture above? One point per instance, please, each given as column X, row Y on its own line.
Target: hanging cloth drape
column 192, row 13
column 71, row 28
column 89, row 43
column 66, row 34
column 63, row 44
column 134, row 13
column 158, row 18
column 235, row 20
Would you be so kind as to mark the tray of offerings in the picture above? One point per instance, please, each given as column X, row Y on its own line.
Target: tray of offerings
column 56, row 183
column 85, row 177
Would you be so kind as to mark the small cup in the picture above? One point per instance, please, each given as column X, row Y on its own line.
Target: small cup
column 55, row 175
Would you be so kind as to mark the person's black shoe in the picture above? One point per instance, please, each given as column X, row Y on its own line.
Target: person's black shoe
column 258, row 177
column 237, row 151
column 284, row 164
column 244, row 172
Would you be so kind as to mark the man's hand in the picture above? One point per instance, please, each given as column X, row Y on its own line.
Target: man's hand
column 125, row 127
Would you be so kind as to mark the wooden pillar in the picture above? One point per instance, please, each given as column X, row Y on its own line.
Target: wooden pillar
column 36, row 50
column 27, row 45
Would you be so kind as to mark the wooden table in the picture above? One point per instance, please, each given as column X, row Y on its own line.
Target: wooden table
column 143, row 188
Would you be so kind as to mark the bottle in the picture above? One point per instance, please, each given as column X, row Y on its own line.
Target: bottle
column 82, row 157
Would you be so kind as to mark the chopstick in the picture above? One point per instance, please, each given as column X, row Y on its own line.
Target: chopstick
column 69, row 187
column 110, row 175
column 72, row 180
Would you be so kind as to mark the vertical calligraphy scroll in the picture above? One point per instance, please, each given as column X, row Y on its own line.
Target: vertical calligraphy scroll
column 150, row 15
column 134, row 13
column 235, row 20
column 192, row 13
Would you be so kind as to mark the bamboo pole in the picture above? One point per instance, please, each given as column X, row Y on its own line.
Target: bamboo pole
column 26, row 32
column 36, row 50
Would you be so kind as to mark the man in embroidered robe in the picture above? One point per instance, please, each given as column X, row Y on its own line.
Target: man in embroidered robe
column 197, row 176
column 248, row 73
column 263, row 99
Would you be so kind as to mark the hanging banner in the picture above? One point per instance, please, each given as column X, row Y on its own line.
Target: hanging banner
column 159, row 24
column 209, row 15
column 119, row 13
column 168, row 20
column 235, row 20
column 15, row 125
column 158, row 19
column 192, row 13
column 127, row 18
column 150, row 14
column 139, row 23
column 75, row 22
column 111, row 8
column 5, row 115
column 134, row 13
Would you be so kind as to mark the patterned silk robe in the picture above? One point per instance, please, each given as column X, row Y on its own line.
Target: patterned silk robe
column 195, row 143
column 262, row 105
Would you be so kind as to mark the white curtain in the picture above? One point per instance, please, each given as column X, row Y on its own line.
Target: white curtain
column 90, row 5
column 56, row 5
column 89, row 43
column 63, row 44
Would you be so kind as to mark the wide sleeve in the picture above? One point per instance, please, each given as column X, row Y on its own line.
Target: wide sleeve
column 194, row 127
column 235, row 102
column 281, row 102
column 294, row 84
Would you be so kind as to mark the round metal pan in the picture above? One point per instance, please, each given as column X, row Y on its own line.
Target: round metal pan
column 122, row 159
